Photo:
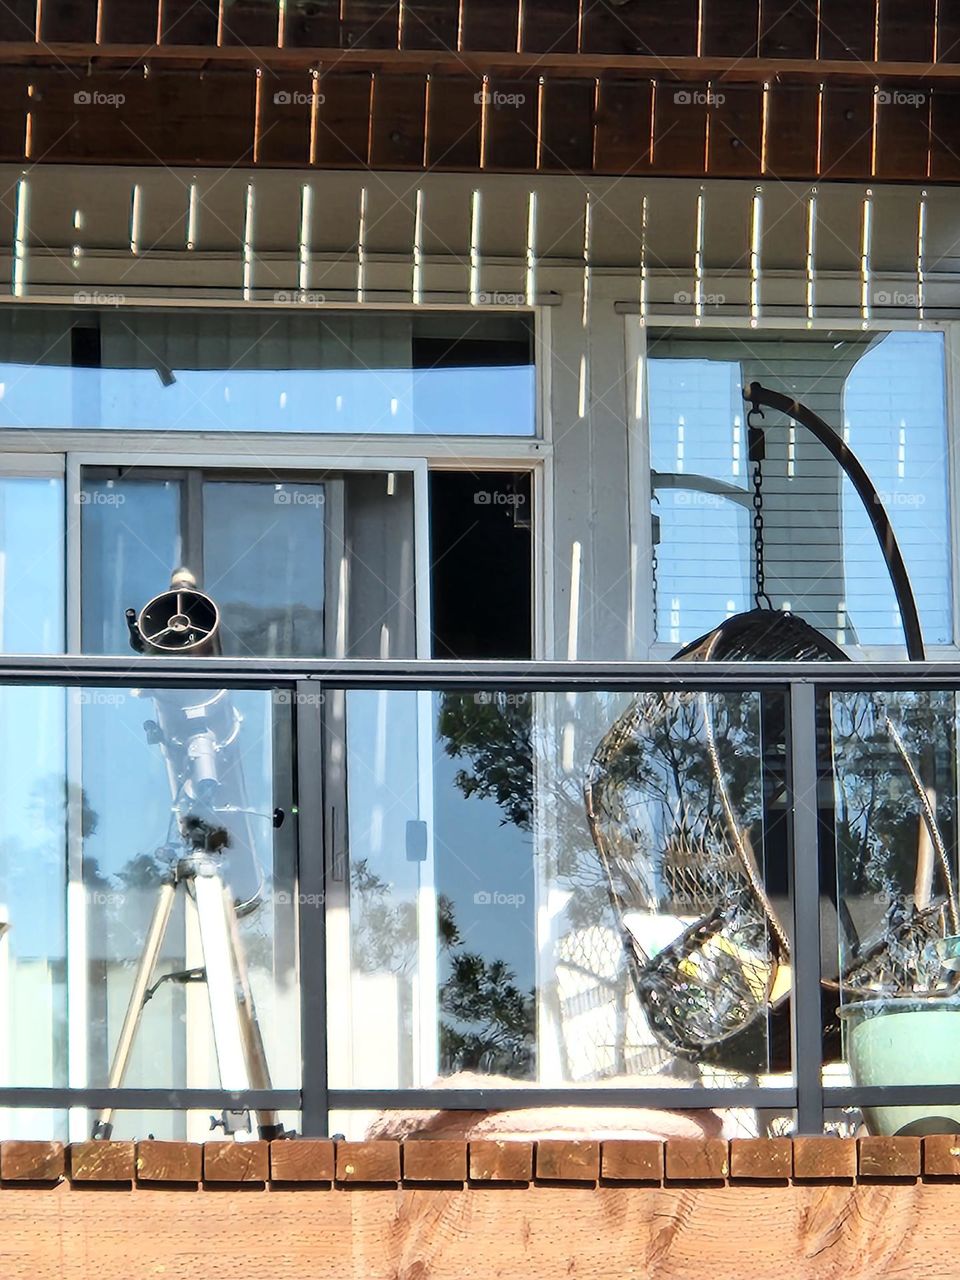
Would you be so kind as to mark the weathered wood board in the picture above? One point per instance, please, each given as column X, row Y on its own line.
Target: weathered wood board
column 539, row 1233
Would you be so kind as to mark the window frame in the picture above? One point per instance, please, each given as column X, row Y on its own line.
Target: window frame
column 640, row 490
column 192, row 480
column 539, row 314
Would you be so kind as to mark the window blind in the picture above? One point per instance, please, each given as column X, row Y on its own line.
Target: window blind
column 885, row 393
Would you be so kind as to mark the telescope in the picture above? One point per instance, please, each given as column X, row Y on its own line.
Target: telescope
column 182, row 620
column 210, row 850
column 197, row 732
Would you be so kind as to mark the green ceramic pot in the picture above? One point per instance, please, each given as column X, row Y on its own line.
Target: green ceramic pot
column 905, row 1040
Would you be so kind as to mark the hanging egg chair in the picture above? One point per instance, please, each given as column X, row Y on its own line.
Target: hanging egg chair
column 673, row 790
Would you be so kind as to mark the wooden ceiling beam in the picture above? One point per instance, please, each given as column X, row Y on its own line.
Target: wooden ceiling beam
column 348, row 118
column 445, row 62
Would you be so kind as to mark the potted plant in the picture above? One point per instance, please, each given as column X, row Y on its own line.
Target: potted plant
column 904, row 1039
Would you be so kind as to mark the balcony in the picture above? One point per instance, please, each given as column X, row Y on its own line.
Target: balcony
column 370, row 889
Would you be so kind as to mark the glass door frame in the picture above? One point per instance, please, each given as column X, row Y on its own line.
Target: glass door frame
column 423, row 456
column 308, row 727
column 280, row 468
column 192, row 480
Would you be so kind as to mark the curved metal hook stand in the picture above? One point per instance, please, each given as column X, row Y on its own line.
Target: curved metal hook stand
column 758, row 395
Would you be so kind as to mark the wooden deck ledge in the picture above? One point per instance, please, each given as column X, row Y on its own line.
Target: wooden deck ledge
column 441, row 1209
column 579, row 1162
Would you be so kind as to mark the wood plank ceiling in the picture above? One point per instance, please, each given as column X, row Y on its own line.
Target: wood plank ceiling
column 839, row 89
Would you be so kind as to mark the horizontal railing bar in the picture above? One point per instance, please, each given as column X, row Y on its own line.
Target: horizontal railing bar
column 493, row 1099
column 534, row 676
column 695, row 1098
column 891, row 1095
column 153, row 1099
column 683, row 1099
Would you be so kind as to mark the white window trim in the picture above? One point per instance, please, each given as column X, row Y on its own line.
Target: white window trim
column 641, row 496
column 45, row 466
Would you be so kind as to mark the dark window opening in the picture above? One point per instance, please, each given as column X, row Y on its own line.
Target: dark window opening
column 503, row 341
column 481, row 564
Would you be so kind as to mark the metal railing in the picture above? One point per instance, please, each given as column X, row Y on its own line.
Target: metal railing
column 800, row 686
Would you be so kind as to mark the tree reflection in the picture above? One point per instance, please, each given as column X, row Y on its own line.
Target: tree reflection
column 489, row 1022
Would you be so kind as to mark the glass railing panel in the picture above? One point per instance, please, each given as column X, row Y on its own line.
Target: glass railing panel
column 178, row 864
column 889, row 885
column 35, row 801
column 181, row 1126
column 560, row 890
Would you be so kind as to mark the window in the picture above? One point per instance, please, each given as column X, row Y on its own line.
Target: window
column 444, row 373
column 701, row 525
column 32, row 559
column 884, row 393
column 895, row 420
column 299, row 567
column 335, row 557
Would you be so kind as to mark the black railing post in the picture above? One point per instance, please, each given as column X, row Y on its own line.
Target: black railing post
column 805, row 875
column 312, row 912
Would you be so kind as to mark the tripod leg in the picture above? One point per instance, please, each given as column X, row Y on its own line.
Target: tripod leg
column 221, row 981
column 268, row 1122
column 103, row 1126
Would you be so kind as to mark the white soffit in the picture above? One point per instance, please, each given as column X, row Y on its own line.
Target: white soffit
column 368, row 236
